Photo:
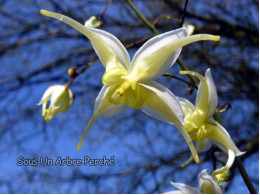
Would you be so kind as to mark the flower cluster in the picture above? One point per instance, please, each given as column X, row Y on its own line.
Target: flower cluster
column 131, row 84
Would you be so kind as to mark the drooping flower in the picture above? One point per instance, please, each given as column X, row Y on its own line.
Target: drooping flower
column 207, row 183
column 131, row 84
column 57, row 98
column 202, row 128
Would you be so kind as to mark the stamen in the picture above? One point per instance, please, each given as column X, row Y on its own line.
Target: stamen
column 191, row 130
column 122, row 88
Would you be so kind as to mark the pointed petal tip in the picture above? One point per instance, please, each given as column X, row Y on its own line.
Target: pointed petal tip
column 44, row 12
column 47, row 119
column 216, row 38
column 78, row 146
column 197, row 160
column 40, row 103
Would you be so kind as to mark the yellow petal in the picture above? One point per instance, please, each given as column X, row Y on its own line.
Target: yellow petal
column 109, row 49
column 202, row 102
column 103, row 108
column 149, row 66
column 161, row 104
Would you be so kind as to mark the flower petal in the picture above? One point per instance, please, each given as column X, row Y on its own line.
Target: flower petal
column 158, row 97
column 208, row 185
column 157, row 55
column 110, row 50
column 185, row 189
column 222, row 137
column 161, row 104
column 157, row 44
column 47, row 94
column 102, row 108
column 201, row 146
column 112, row 109
column 186, row 105
column 202, row 95
column 213, row 98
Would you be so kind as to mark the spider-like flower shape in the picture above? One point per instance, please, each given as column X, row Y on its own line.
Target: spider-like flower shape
column 132, row 83
column 202, row 128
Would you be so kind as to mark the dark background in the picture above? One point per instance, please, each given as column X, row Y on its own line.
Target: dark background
column 36, row 52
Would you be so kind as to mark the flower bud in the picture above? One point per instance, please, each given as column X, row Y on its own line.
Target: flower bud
column 60, row 97
column 190, row 28
column 93, row 22
column 72, row 72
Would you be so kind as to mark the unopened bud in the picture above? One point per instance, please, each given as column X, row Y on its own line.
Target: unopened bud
column 189, row 90
column 93, row 22
column 72, row 72
column 190, row 28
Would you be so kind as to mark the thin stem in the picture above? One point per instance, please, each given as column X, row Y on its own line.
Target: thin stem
column 184, row 12
column 192, row 78
column 177, row 78
column 245, row 176
column 138, row 42
column 141, row 16
column 105, row 9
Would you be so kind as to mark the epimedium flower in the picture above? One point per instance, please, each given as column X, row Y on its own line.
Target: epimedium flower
column 57, row 98
column 131, row 83
column 207, row 183
column 202, row 128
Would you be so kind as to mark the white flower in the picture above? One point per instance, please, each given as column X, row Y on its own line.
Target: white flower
column 60, row 99
column 131, row 83
column 202, row 128
column 207, row 184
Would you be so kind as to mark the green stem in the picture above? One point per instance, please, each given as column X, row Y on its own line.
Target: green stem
column 184, row 67
column 245, row 176
column 141, row 16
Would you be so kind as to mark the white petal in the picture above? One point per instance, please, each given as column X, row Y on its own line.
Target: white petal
column 108, row 47
column 213, row 98
column 102, row 108
column 113, row 43
column 58, row 97
column 202, row 94
column 161, row 104
column 186, row 105
column 165, row 98
column 205, row 177
column 204, row 145
column 186, row 188
column 224, row 132
column 160, row 55
column 47, row 94
column 112, row 109
column 158, row 64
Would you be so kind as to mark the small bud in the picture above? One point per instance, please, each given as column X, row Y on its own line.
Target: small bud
column 72, row 72
column 189, row 90
column 93, row 22
column 190, row 28
column 222, row 177
column 56, row 99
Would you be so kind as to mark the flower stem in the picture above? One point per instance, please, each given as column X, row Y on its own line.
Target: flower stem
column 192, row 78
column 141, row 16
column 245, row 176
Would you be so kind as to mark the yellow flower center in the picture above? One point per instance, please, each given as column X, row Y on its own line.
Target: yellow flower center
column 123, row 88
